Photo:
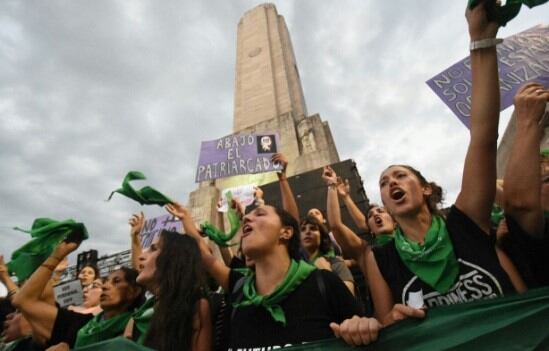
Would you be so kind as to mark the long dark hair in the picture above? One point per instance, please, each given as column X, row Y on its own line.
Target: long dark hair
column 294, row 243
column 325, row 242
column 179, row 279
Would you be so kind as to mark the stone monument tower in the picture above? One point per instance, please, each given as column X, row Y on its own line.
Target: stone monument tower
column 268, row 98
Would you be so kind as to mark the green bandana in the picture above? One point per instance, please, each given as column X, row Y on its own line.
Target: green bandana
column 99, row 329
column 46, row 235
column 142, row 319
column 329, row 254
column 297, row 273
column 544, row 153
column 215, row 234
column 496, row 215
column 145, row 196
column 435, row 262
column 382, row 239
column 505, row 13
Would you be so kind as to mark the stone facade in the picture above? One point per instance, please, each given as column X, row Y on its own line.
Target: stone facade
column 269, row 98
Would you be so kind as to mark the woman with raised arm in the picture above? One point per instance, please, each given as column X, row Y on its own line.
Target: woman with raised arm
column 63, row 329
column 136, row 222
column 317, row 246
column 526, row 190
column 435, row 261
column 178, row 316
column 284, row 300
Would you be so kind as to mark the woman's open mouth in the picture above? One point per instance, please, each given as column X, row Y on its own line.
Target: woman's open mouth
column 398, row 195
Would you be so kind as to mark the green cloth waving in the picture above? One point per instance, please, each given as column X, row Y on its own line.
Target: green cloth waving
column 215, row 234
column 435, row 262
column 46, row 235
column 297, row 273
column 142, row 319
column 505, row 13
column 145, row 196
column 99, row 329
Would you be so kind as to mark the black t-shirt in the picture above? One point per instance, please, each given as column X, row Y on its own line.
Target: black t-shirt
column 66, row 326
column 308, row 315
column 480, row 274
column 530, row 255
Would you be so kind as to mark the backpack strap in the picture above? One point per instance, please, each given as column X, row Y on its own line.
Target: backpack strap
column 237, row 291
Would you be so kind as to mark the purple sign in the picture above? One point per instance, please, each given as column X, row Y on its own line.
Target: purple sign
column 237, row 154
column 522, row 57
column 153, row 226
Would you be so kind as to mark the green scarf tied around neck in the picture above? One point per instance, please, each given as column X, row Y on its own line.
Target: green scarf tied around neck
column 142, row 319
column 145, row 196
column 382, row 239
column 99, row 329
column 435, row 262
column 329, row 254
column 297, row 273
column 46, row 234
column 219, row 237
column 505, row 13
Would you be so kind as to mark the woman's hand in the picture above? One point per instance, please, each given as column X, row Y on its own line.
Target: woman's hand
column 400, row 312
column 329, row 176
column 177, row 210
column 531, row 101
column 136, row 224
column 280, row 158
column 479, row 27
column 357, row 330
column 343, row 188
column 64, row 249
column 3, row 268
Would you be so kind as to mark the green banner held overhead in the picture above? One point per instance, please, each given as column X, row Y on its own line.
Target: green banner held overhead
column 518, row 322
column 46, row 235
column 145, row 196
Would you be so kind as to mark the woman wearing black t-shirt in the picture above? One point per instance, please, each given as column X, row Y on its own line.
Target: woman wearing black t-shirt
column 435, row 261
column 284, row 300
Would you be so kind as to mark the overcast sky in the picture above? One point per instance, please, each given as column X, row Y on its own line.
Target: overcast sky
column 92, row 89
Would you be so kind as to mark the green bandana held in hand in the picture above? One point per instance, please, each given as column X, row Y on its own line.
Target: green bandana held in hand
column 496, row 215
column 99, row 329
column 46, row 235
column 505, row 13
column 142, row 319
column 382, row 239
column 297, row 273
column 435, row 262
column 145, row 196
column 215, row 234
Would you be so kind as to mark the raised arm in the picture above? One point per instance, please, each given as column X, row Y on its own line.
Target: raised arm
column 344, row 191
column 288, row 199
column 6, row 279
column 522, row 192
column 352, row 245
column 479, row 172
column 217, row 269
column 136, row 223
column 41, row 315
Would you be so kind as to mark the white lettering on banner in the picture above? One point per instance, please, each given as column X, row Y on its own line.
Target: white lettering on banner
column 474, row 283
column 262, row 348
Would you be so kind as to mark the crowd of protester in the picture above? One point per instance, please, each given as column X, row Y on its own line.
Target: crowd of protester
column 289, row 281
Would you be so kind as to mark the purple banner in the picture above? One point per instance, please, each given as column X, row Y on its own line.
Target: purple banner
column 237, row 154
column 522, row 57
column 153, row 226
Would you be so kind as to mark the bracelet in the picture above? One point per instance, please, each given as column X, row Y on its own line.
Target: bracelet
column 51, row 267
column 332, row 185
column 12, row 292
column 484, row 43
